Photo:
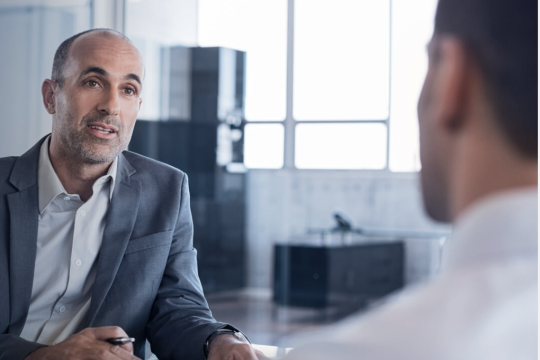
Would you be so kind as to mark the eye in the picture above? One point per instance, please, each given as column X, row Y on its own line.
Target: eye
column 92, row 83
column 129, row 91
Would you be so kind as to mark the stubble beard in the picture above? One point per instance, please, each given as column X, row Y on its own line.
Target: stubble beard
column 78, row 143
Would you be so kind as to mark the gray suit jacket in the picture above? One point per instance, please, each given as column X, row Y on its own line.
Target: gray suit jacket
column 146, row 282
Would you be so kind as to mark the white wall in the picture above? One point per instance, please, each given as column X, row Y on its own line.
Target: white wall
column 30, row 32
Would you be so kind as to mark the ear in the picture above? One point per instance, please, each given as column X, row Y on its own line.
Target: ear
column 140, row 103
column 47, row 91
column 451, row 81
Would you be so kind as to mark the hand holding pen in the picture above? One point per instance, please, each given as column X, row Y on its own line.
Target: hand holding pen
column 102, row 343
column 121, row 340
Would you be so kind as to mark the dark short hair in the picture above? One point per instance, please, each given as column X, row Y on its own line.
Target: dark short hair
column 502, row 38
column 62, row 53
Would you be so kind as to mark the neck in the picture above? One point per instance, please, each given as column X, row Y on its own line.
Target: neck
column 482, row 169
column 76, row 176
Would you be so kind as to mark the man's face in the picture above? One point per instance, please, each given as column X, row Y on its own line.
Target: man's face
column 96, row 108
column 433, row 143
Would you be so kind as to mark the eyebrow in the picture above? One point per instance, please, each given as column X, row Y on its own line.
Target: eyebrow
column 93, row 69
column 101, row 71
column 133, row 77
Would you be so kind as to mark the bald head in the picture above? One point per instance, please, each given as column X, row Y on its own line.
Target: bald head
column 94, row 96
column 62, row 54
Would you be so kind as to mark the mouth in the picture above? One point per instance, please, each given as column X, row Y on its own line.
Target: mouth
column 102, row 131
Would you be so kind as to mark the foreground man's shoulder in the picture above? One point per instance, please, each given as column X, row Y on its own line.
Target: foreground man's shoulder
column 469, row 314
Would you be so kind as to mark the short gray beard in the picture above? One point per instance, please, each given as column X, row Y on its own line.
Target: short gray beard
column 73, row 143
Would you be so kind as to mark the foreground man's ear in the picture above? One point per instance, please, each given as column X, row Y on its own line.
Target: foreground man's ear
column 451, row 81
column 47, row 91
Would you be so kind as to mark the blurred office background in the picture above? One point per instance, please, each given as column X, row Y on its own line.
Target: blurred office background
column 296, row 123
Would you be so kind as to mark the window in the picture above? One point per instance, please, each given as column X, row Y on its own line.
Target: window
column 341, row 72
column 263, row 146
column 259, row 28
column 153, row 39
column 412, row 26
column 341, row 59
column 341, row 146
column 355, row 71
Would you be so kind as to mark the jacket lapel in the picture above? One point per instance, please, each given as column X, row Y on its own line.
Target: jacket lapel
column 120, row 223
column 23, row 213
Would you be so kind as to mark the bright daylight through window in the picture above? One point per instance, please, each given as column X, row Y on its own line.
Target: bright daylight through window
column 358, row 62
column 341, row 146
column 341, row 59
column 259, row 28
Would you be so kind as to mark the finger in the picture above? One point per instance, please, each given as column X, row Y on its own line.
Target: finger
column 127, row 347
column 246, row 352
column 118, row 353
column 107, row 332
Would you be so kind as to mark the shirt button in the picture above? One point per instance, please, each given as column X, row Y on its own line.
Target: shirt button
column 83, row 212
column 67, row 198
column 78, row 262
column 62, row 309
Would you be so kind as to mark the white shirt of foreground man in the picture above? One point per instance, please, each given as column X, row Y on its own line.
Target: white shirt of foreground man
column 487, row 294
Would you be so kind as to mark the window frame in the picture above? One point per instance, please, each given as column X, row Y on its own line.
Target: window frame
column 290, row 122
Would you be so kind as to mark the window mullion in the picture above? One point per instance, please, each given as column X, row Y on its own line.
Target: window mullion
column 389, row 89
column 289, row 121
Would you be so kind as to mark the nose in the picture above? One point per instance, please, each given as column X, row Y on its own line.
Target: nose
column 109, row 104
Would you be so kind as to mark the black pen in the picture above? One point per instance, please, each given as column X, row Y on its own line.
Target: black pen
column 120, row 340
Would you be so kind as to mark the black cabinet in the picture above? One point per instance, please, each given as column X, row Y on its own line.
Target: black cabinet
column 319, row 276
column 206, row 92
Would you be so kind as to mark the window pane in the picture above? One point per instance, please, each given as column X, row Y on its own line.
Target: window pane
column 164, row 22
column 260, row 29
column 154, row 26
column 340, row 146
column 263, row 146
column 341, row 59
column 412, row 26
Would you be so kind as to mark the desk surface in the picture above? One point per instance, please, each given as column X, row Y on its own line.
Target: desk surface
column 272, row 352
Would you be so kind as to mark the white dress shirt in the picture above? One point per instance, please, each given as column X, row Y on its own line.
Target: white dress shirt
column 483, row 306
column 69, row 239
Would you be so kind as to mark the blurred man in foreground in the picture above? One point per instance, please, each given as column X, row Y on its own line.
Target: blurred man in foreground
column 478, row 117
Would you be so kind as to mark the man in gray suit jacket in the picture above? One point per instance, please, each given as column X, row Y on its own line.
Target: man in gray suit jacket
column 96, row 242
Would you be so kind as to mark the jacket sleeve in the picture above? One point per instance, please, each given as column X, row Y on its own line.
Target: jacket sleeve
column 16, row 348
column 180, row 320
